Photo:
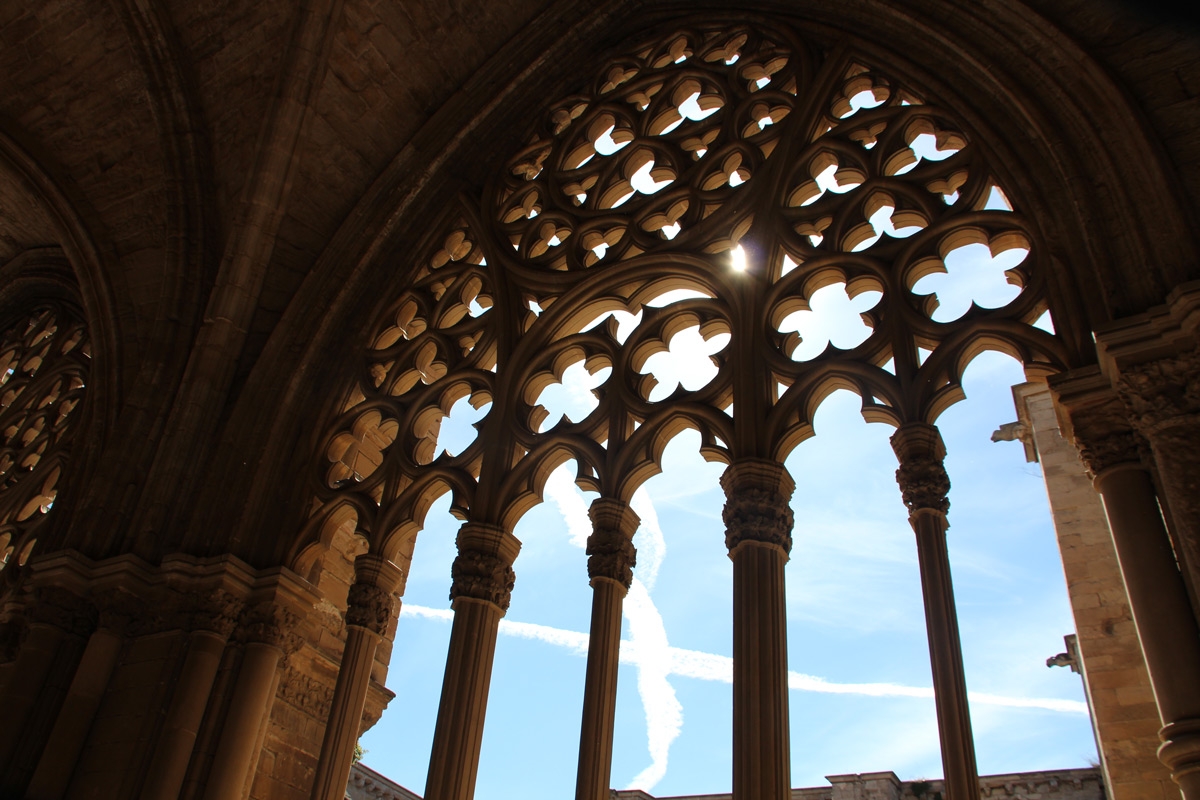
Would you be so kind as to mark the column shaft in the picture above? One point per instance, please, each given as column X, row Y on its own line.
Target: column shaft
column 458, row 734
column 252, row 698
column 600, row 692
column 945, row 657
column 924, row 486
column 369, row 613
column 1162, row 613
column 761, row 738
column 611, row 558
column 758, row 525
column 70, row 731
column 482, row 587
column 173, row 753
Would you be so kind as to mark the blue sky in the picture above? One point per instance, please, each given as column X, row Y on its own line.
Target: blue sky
column 860, row 698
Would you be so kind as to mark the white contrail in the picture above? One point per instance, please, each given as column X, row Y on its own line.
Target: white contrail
column 647, row 648
column 713, row 667
column 652, row 655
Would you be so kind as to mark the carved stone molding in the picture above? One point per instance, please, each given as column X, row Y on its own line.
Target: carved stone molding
column 302, row 692
column 924, row 484
column 757, row 495
column 610, row 549
column 370, row 607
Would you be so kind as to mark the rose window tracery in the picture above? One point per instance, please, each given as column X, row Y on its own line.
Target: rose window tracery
column 726, row 223
column 44, row 360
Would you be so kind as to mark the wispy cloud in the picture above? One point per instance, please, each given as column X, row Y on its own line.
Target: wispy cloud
column 648, row 651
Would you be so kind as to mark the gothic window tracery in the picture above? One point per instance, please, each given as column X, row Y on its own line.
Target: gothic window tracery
column 44, row 360
column 726, row 184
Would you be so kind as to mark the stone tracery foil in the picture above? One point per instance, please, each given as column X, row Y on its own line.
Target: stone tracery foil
column 683, row 145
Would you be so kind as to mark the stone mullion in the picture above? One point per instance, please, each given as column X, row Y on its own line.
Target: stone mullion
column 482, row 587
column 1158, row 598
column 758, row 523
column 924, row 486
column 371, row 607
column 611, row 558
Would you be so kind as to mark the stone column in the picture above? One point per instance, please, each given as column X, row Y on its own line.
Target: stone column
column 213, row 619
column 1118, row 687
column 266, row 633
column 60, row 622
column 1159, row 601
column 1163, row 400
column 611, row 558
column 924, row 486
column 371, row 606
column 482, row 585
column 70, row 732
column 758, row 533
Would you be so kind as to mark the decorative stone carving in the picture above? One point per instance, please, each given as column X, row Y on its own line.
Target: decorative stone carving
column 271, row 624
column 482, row 576
column 118, row 610
column 610, row 549
column 757, row 494
column 305, row 694
column 1103, row 435
column 758, row 515
column 369, row 607
column 1162, row 393
column 215, row 611
column 611, row 555
column 924, row 484
column 12, row 633
column 64, row 610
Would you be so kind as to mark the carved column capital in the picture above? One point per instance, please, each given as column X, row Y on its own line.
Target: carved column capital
column 483, row 568
column 1163, row 392
column 610, row 549
column 371, row 603
column 924, row 484
column 757, row 495
column 271, row 624
column 216, row 611
column 118, row 610
column 63, row 609
column 369, row 607
column 1097, row 422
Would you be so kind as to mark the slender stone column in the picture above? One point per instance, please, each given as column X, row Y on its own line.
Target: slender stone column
column 758, row 533
column 213, row 621
column 70, row 732
column 253, row 695
column 371, row 606
column 611, row 558
column 924, row 486
column 482, row 587
column 1158, row 599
